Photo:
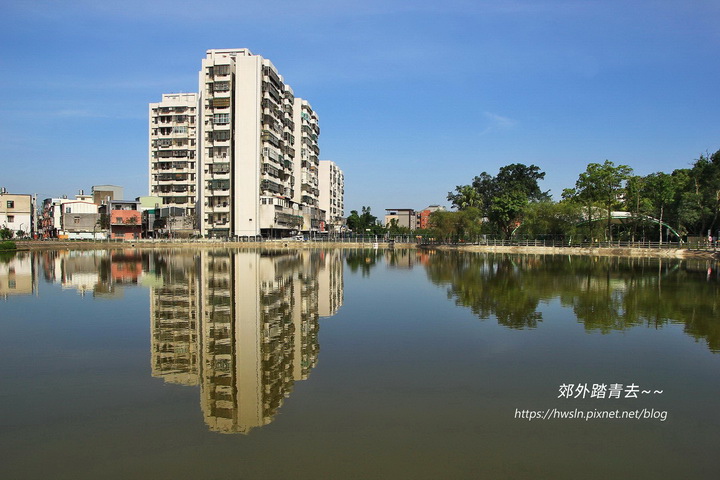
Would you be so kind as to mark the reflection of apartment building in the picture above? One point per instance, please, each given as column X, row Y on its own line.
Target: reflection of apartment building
column 247, row 340
column 173, row 147
column 174, row 323
column 256, row 147
column 332, row 194
column 17, row 275
column 330, row 283
column 243, row 326
column 80, row 269
column 401, row 258
column 16, row 212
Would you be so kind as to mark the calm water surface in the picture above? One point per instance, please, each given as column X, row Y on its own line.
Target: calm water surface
column 357, row 364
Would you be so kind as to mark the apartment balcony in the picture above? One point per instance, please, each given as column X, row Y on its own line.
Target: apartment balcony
column 218, row 208
column 270, row 170
column 218, row 184
column 126, row 221
column 172, row 177
column 269, row 137
column 269, row 185
column 220, row 169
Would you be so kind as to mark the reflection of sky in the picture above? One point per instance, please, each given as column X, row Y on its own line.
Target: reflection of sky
column 408, row 385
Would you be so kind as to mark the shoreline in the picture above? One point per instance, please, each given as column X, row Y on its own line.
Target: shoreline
column 295, row 245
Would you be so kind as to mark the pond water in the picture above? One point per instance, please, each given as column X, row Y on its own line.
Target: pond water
column 342, row 364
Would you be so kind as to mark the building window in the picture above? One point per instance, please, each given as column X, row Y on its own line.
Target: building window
column 10, row 204
column 221, row 86
column 221, row 135
column 221, row 118
column 67, row 210
column 76, row 220
column 11, row 218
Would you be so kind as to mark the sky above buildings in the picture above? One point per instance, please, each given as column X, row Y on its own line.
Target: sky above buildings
column 414, row 97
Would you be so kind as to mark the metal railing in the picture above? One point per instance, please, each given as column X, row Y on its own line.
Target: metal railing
column 420, row 240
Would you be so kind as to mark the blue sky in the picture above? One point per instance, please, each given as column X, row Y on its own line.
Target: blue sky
column 413, row 97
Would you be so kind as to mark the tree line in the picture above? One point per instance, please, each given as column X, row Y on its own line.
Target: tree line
column 658, row 207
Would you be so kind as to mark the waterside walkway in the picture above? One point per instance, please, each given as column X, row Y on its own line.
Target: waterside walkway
column 543, row 247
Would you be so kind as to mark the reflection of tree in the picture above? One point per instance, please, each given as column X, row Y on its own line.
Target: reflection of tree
column 606, row 294
column 362, row 260
column 489, row 286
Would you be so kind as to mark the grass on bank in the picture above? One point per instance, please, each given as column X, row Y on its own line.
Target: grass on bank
column 8, row 246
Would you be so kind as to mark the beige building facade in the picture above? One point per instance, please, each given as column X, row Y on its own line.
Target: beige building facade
column 16, row 213
column 255, row 169
column 173, row 151
column 332, row 194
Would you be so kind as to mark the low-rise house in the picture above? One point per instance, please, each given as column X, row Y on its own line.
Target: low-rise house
column 73, row 219
column 124, row 219
column 79, row 220
column 423, row 216
column 16, row 213
column 402, row 217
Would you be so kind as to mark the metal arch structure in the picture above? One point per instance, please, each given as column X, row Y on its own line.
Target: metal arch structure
column 622, row 218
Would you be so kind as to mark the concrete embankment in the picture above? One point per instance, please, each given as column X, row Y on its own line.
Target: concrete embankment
column 591, row 251
column 143, row 244
column 294, row 245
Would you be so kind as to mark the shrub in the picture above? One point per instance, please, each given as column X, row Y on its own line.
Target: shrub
column 8, row 245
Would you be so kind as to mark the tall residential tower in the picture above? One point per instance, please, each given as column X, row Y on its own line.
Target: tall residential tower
column 173, row 151
column 256, row 147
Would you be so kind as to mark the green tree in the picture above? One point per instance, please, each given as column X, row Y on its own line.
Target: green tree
column 660, row 190
column 502, row 199
column 6, row 233
column 465, row 196
column 600, row 185
column 361, row 222
column 636, row 202
column 556, row 219
column 507, row 195
column 706, row 176
column 104, row 221
column 443, row 224
column 394, row 229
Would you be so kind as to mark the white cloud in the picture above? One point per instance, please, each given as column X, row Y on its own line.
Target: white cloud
column 497, row 123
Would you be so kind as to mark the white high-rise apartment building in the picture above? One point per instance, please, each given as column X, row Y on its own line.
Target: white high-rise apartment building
column 173, row 151
column 256, row 147
column 332, row 194
column 248, row 147
column 307, row 131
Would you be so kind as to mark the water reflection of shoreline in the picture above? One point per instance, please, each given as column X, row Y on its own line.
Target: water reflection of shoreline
column 17, row 274
column 605, row 293
column 243, row 326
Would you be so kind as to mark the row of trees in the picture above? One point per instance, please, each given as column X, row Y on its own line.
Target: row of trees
column 687, row 200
